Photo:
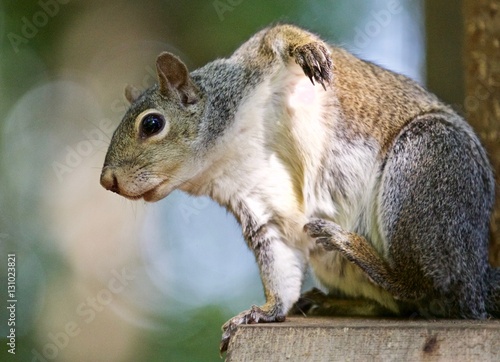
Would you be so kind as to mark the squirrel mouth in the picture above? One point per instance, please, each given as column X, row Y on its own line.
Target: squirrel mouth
column 156, row 193
column 152, row 194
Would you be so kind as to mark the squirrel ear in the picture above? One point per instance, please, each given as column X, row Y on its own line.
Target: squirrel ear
column 132, row 93
column 173, row 77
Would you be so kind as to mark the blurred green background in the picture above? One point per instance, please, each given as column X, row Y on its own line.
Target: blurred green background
column 100, row 278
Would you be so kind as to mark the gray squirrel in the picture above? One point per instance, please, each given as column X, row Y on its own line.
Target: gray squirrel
column 382, row 189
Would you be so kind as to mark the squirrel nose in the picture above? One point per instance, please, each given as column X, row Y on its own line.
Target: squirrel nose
column 109, row 180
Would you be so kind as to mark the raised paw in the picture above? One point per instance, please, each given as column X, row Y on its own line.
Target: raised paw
column 316, row 228
column 254, row 315
column 315, row 59
column 328, row 234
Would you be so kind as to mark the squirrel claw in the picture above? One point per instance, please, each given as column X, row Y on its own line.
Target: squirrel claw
column 251, row 316
column 311, row 79
column 316, row 228
column 326, row 233
column 314, row 59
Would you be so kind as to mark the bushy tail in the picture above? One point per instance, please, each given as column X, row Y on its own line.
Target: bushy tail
column 493, row 298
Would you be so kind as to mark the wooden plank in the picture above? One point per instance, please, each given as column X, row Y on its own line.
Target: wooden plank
column 362, row 339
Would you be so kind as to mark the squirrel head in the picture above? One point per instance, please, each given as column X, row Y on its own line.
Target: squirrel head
column 153, row 149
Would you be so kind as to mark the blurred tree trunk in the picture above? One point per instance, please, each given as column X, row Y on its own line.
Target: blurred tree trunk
column 482, row 81
column 444, row 48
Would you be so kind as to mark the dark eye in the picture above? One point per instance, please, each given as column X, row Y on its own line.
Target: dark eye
column 151, row 124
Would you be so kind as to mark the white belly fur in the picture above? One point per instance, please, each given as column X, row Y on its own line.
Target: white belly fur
column 355, row 210
column 283, row 149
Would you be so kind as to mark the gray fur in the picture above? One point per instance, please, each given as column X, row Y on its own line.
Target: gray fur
column 436, row 200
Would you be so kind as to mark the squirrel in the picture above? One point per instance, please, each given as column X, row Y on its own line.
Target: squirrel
column 368, row 178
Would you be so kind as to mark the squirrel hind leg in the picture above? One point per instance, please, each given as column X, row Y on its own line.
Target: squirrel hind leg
column 434, row 210
column 316, row 303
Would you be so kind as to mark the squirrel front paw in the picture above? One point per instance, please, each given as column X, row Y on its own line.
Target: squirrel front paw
column 328, row 234
column 316, row 61
column 251, row 316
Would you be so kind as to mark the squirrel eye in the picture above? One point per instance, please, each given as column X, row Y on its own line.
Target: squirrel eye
column 151, row 124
